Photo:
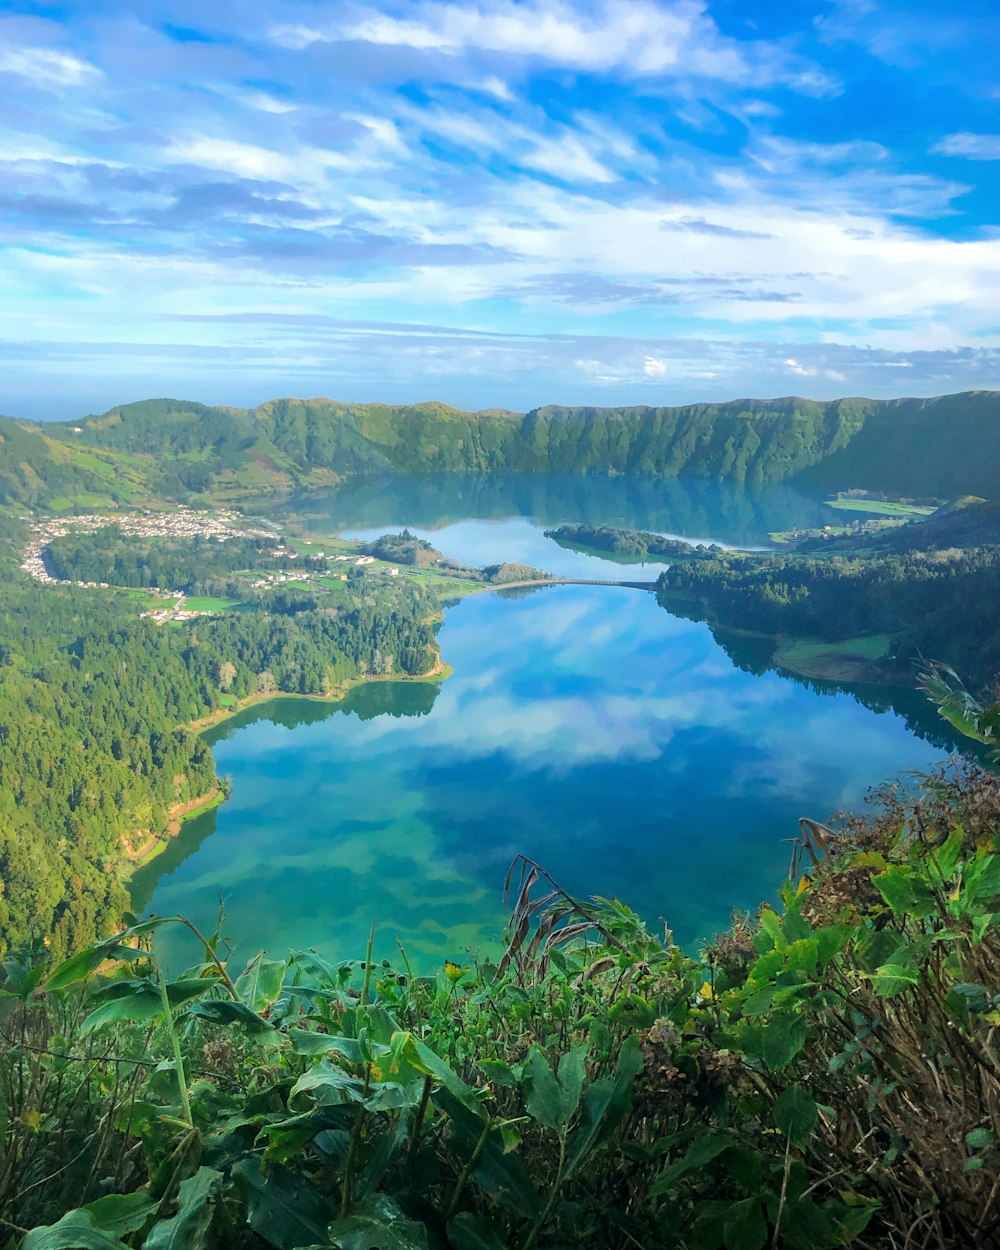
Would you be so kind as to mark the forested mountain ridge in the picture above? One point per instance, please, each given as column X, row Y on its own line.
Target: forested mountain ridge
column 945, row 446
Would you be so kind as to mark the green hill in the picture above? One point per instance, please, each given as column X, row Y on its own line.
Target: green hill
column 947, row 446
column 35, row 469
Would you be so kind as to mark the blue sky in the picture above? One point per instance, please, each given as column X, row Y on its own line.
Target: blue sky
column 497, row 203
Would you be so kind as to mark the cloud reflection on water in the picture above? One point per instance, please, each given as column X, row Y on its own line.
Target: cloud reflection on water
column 584, row 726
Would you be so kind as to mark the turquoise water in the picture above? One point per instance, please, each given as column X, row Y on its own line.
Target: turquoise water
column 620, row 746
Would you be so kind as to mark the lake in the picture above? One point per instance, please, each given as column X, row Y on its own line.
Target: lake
column 625, row 749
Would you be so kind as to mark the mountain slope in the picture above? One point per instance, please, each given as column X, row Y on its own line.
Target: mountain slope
column 36, row 469
column 946, row 446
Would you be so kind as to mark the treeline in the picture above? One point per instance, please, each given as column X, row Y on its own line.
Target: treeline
column 944, row 604
column 629, row 543
column 951, row 443
column 94, row 748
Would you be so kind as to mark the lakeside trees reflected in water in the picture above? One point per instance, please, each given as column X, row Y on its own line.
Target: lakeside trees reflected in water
column 691, row 507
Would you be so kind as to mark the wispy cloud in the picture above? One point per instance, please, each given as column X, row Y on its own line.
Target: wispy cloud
column 972, row 147
column 46, row 67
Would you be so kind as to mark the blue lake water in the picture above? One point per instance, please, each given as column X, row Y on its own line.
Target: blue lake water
column 624, row 748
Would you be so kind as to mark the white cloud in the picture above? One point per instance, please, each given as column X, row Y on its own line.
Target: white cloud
column 247, row 160
column 801, row 371
column 305, row 166
column 654, row 367
column 383, row 129
column 566, row 158
column 636, row 37
column 259, row 101
column 495, row 87
column 46, row 67
column 971, row 146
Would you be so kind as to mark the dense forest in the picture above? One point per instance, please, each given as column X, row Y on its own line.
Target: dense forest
column 94, row 708
column 183, row 450
column 936, row 600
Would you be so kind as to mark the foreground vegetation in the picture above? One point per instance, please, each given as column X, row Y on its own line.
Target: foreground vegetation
column 823, row 1075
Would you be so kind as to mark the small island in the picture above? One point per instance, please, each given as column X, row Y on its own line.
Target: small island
column 629, row 546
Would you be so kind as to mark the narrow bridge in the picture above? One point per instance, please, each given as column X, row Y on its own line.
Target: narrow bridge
column 570, row 581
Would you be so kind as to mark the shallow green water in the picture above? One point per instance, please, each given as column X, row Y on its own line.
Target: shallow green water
column 620, row 746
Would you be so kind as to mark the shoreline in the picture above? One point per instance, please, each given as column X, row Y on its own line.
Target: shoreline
column 180, row 813
column 835, row 662
column 439, row 671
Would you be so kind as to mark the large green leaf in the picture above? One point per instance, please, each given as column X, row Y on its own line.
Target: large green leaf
column 260, row 985
column 502, row 1175
column 139, row 1000
column 832, row 939
column 544, row 1101
column 327, row 1085
column 947, row 855
column 226, row 1011
column 188, row 1228
column 424, row 1060
column 21, row 979
column 468, row 1232
column 386, row 1149
column 604, row 1106
column 744, row 1227
column 281, row 1208
column 78, row 967
column 123, row 1213
column 795, row 1114
column 75, row 1231
column 704, row 1149
column 572, row 1073
column 782, row 1040
column 893, row 979
column 905, row 892
column 305, row 1042
column 983, row 876
column 378, row 1224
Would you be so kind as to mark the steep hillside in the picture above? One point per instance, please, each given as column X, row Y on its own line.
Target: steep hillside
column 946, row 446
column 36, row 469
